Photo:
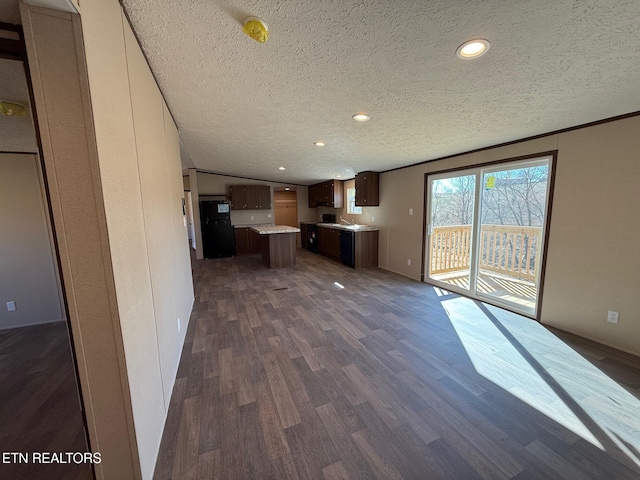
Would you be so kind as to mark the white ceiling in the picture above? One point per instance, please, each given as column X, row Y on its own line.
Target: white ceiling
column 245, row 108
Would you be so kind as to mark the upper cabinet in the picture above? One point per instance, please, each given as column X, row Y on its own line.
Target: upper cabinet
column 368, row 189
column 326, row 194
column 250, row 197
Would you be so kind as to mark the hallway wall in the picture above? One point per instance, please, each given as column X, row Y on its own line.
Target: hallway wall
column 27, row 265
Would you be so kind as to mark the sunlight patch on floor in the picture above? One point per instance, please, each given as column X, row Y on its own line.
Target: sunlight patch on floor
column 514, row 353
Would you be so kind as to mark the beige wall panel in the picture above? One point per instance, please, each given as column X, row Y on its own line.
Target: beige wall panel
column 113, row 119
column 182, row 278
column 27, row 266
column 400, row 191
column 54, row 47
column 593, row 244
column 538, row 145
column 193, row 184
column 145, row 338
column 592, row 234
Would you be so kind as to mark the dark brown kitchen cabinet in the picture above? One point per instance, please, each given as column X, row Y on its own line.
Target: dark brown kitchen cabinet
column 363, row 245
column 326, row 194
column 250, row 197
column 329, row 242
column 238, row 197
column 303, row 234
column 368, row 189
column 314, row 195
column 246, row 241
column 264, row 197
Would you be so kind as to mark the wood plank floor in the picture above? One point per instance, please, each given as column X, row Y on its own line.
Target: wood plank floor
column 39, row 403
column 323, row 372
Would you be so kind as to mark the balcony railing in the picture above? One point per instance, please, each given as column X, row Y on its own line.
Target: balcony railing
column 507, row 250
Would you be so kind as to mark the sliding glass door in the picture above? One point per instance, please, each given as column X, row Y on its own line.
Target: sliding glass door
column 485, row 232
column 450, row 233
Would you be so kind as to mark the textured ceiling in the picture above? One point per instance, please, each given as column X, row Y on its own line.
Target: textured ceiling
column 245, row 108
column 16, row 133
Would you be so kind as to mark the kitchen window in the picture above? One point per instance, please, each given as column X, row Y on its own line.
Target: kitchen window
column 351, row 202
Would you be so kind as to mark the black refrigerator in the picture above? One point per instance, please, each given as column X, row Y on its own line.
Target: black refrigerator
column 217, row 231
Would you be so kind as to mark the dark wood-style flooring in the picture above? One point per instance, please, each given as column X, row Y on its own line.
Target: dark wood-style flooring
column 323, row 372
column 39, row 403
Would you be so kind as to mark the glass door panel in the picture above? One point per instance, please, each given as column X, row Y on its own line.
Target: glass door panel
column 450, row 231
column 486, row 230
column 512, row 218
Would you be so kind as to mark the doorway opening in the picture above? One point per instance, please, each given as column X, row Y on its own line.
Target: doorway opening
column 486, row 231
column 41, row 408
column 285, row 208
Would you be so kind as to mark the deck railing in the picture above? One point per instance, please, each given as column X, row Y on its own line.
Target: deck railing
column 508, row 250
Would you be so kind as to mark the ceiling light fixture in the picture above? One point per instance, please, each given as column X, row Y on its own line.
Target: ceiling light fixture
column 256, row 29
column 281, row 168
column 473, row 49
column 287, row 188
column 12, row 109
column 319, row 144
column 361, row 117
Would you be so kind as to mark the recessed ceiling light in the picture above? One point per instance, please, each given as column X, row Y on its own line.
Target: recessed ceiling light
column 319, row 144
column 472, row 49
column 281, row 168
column 287, row 188
column 338, row 176
column 361, row 117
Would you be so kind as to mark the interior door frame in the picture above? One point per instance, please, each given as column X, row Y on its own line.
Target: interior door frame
column 16, row 50
column 553, row 156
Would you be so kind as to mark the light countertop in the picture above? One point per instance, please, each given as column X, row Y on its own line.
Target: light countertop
column 349, row 228
column 249, row 225
column 270, row 229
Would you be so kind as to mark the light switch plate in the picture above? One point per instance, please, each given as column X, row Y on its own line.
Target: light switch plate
column 11, row 306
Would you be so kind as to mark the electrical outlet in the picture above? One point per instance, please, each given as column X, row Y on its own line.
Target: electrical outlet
column 179, row 325
column 612, row 317
column 411, row 211
column 11, row 306
column 268, row 215
column 372, row 219
column 408, row 262
column 252, row 217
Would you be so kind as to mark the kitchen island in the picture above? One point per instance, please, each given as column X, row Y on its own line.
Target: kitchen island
column 277, row 245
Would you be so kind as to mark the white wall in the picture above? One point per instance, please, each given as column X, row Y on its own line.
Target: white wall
column 27, row 264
